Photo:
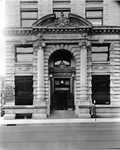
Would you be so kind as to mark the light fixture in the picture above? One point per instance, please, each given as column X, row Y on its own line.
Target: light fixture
column 62, row 82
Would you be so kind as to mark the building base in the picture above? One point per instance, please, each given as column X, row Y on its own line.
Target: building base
column 39, row 116
column 84, row 111
column 9, row 116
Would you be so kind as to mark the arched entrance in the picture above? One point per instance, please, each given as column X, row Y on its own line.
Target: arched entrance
column 62, row 72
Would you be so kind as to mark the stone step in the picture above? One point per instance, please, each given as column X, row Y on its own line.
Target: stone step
column 62, row 114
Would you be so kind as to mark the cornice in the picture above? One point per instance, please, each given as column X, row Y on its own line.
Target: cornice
column 105, row 30
column 52, row 30
column 20, row 31
column 101, row 30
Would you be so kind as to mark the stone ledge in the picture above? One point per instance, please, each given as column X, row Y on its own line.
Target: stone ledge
column 23, row 107
column 39, row 116
column 9, row 116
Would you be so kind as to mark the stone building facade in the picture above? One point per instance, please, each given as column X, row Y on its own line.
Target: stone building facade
column 62, row 55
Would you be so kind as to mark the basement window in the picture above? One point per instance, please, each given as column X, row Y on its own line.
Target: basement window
column 23, row 116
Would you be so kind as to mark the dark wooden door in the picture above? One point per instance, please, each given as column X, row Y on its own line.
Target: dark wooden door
column 60, row 95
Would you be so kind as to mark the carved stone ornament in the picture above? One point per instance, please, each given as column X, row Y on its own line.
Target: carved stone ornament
column 62, row 67
column 39, row 43
column 24, row 68
column 50, row 21
column 84, row 43
column 63, row 21
column 100, row 67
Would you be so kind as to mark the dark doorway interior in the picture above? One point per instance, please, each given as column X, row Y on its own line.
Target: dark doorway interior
column 62, row 71
column 101, row 89
column 23, row 90
column 62, row 98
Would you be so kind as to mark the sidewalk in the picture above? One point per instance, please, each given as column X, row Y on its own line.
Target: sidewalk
column 55, row 121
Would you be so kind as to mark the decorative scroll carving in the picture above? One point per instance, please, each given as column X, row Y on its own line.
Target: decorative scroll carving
column 23, row 68
column 39, row 43
column 101, row 67
column 71, row 21
column 62, row 67
column 63, row 21
column 84, row 43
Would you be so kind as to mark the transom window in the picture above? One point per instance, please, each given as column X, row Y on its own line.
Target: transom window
column 24, row 54
column 100, row 53
column 29, row 13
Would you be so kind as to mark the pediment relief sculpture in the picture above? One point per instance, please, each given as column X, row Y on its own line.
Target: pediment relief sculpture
column 50, row 21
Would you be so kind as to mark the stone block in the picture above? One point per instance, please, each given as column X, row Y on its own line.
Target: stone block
column 40, row 111
column 84, row 116
column 39, row 116
column 84, row 112
column 9, row 116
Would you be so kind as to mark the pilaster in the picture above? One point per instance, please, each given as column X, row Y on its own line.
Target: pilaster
column 40, row 97
column 9, row 84
column 39, row 47
column 10, row 71
column 115, row 74
column 84, row 102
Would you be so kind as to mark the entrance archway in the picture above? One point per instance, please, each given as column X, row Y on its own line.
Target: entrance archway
column 62, row 72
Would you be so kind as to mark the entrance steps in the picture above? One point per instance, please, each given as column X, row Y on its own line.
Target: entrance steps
column 63, row 114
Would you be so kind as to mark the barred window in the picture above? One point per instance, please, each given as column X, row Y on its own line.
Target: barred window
column 29, row 13
column 94, row 12
column 61, row 6
column 24, row 54
column 95, row 17
column 100, row 53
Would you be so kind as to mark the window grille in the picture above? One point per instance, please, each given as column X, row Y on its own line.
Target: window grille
column 24, row 54
column 94, row 12
column 61, row 6
column 28, row 12
column 100, row 53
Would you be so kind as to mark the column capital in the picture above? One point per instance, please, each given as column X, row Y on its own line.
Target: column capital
column 84, row 44
column 38, row 44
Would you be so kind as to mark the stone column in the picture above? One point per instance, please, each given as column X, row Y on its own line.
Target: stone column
column 84, row 103
column 39, row 46
column 40, row 101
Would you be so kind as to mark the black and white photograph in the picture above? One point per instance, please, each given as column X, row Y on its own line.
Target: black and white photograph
column 59, row 74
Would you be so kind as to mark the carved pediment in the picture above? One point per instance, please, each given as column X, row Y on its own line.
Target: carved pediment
column 50, row 21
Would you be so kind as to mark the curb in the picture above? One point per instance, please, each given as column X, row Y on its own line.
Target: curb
column 56, row 121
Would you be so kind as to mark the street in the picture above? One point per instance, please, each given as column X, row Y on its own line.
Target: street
column 82, row 136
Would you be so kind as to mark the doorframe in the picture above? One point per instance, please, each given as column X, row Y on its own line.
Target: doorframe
column 60, row 91
column 72, row 84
